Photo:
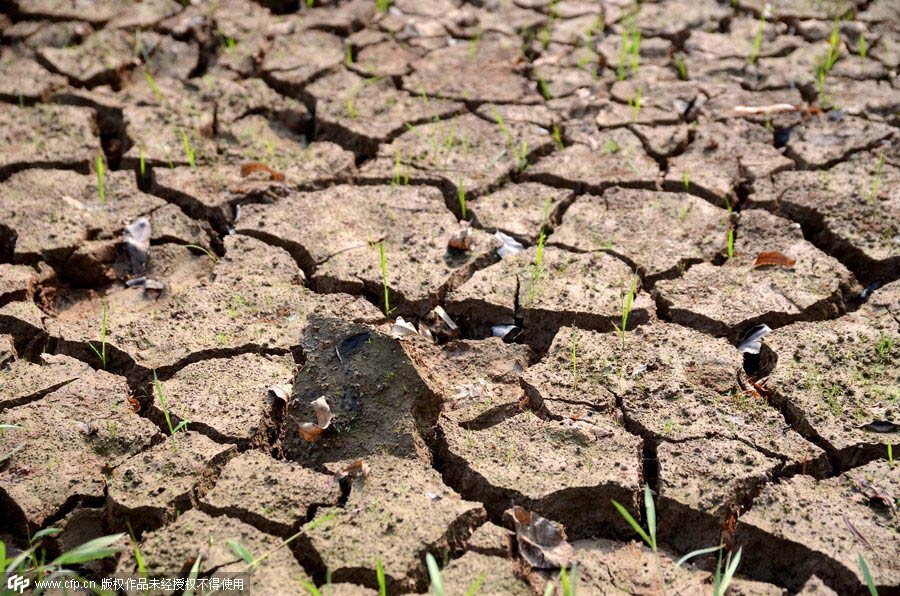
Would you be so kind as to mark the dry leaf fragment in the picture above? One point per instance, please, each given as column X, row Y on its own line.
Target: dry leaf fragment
column 508, row 245
column 402, row 328
column 255, row 166
column 282, row 392
column 462, row 238
column 358, row 469
column 751, row 343
column 775, row 258
column 310, row 431
column 542, row 543
column 439, row 310
column 876, row 494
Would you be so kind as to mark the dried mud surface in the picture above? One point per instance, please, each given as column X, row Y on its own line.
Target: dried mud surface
column 339, row 283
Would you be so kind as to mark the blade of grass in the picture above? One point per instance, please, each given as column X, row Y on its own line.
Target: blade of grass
column 92, row 550
column 434, row 573
column 631, row 522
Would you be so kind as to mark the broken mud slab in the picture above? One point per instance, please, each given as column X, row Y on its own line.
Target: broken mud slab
column 661, row 369
column 93, row 429
column 520, row 210
column 377, row 400
column 738, row 41
column 808, row 285
column 152, row 488
column 662, row 142
column 342, row 253
column 241, row 409
column 377, row 513
column 498, row 576
column 492, row 23
column 607, row 567
column 297, row 59
column 256, row 298
column 85, row 10
column 216, row 542
column 702, row 483
column 491, row 445
column 236, row 99
column 837, row 380
column 477, row 381
column 25, row 80
column 491, row 539
column 617, row 221
column 488, row 72
column 465, row 151
column 47, row 136
column 675, row 20
column 850, row 211
column 170, row 125
column 383, row 58
column 562, row 70
column 101, row 59
column 635, row 102
column 823, row 142
column 216, row 192
column 801, row 526
column 64, row 218
column 778, row 108
column 18, row 282
column 607, row 158
column 361, row 114
column 274, row 496
column 721, row 156
column 581, row 289
column 22, row 382
column 873, row 100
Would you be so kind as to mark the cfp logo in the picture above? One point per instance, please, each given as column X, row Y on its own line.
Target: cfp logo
column 17, row 583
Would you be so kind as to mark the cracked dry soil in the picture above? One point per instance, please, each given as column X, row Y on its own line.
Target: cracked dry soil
column 227, row 196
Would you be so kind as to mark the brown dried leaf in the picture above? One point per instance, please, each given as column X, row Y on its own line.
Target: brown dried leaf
column 255, row 166
column 875, row 494
column 356, row 470
column 765, row 259
column 310, row 431
column 541, row 542
column 461, row 239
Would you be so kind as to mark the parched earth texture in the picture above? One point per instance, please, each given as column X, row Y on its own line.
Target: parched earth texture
column 501, row 175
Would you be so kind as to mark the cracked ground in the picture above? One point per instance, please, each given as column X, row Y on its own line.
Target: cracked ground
column 339, row 283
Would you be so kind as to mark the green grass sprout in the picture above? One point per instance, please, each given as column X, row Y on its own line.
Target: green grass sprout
column 627, row 299
column 101, row 178
column 757, row 41
column 461, row 197
column 382, row 583
column 434, row 573
column 384, row 281
column 101, row 353
column 867, row 575
column 188, row 150
column 165, row 408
